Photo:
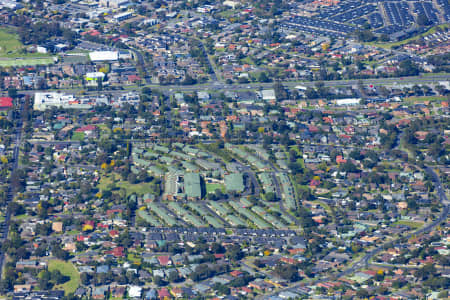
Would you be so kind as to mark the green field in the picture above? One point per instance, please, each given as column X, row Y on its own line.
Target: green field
column 14, row 54
column 212, row 187
column 78, row 136
column 67, row 269
column 403, row 42
column 411, row 224
column 8, row 42
column 139, row 189
column 21, row 62
column 425, row 98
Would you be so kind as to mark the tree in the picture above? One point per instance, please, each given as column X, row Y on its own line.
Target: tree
column 60, row 253
column 188, row 80
column 280, row 91
column 57, row 277
column 85, row 278
column 44, row 280
column 287, row 272
column 234, row 252
column 365, row 35
column 422, row 20
column 271, row 196
column 408, row 68
column 12, row 92
column 263, row 77
column 362, row 293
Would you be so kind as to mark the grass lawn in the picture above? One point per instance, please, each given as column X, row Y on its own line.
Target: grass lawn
column 411, row 224
column 399, row 43
column 104, row 130
column 78, row 136
column 134, row 259
column 425, row 98
column 22, row 217
column 139, row 189
column 9, row 42
column 67, row 269
column 212, row 187
column 20, row 62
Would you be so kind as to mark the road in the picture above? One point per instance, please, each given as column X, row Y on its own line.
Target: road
column 15, row 164
column 212, row 72
column 141, row 62
column 216, row 85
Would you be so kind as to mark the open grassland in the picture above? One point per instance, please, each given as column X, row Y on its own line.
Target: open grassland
column 22, row 62
column 67, row 269
column 139, row 189
column 9, row 42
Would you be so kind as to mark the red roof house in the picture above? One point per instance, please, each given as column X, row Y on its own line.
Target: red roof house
column 6, row 102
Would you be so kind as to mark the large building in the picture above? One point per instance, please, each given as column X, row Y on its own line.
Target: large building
column 183, row 186
column 234, row 182
column 113, row 3
column 6, row 103
column 192, row 186
column 42, row 101
column 104, row 56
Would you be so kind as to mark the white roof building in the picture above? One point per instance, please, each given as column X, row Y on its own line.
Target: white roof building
column 95, row 75
column 268, row 95
column 135, row 291
column 44, row 100
column 104, row 55
column 349, row 101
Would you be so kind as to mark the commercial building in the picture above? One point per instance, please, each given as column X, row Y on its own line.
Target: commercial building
column 122, row 16
column 42, row 101
column 95, row 76
column 104, row 56
column 348, row 102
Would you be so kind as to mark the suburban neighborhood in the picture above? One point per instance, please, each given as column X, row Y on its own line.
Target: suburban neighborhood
column 224, row 150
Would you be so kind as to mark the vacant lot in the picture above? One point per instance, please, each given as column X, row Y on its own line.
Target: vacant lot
column 67, row 269
column 9, row 42
column 139, row 189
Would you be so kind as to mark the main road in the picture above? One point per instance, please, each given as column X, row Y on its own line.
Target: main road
column 217, row 85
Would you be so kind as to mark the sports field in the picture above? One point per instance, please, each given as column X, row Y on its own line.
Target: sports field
column 14, row 54
column 21, row 62
column 8, row 42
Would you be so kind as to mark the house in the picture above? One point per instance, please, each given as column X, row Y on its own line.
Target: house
column 118, row 291
column 163, row 293
column 22, row 288
column 6, row 103
column 164, row 260
column 135, row 292
column 100, row 292
column 261, row 285
column 151, row 295
column 57, row 227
